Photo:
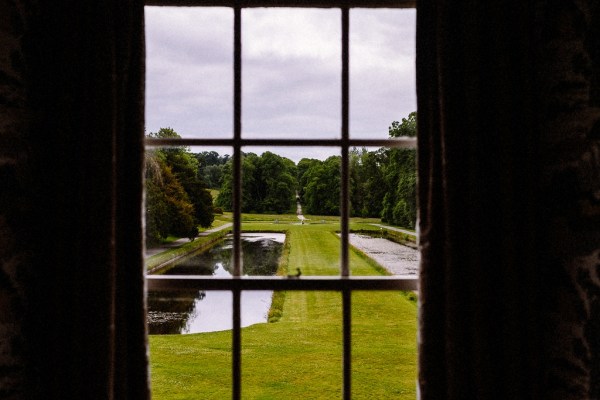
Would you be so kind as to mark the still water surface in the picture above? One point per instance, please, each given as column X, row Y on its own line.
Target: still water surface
column 209, row 311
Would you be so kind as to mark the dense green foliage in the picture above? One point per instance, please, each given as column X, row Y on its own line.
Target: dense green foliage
column 268, row 184
column 382, row 184
column 408, row 127
column 400, row 201
column 321, row 186
column 368, row 185
column 210, row 167
column 177, row 201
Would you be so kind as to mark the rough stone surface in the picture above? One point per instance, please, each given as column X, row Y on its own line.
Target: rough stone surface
column 397, row 259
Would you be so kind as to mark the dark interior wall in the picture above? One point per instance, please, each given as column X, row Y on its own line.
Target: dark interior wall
column 568, row 56
column 479, row 168
column 72, row 323
column 69, row 69
column 70, row 137
column 15, row 201
column 509, row 179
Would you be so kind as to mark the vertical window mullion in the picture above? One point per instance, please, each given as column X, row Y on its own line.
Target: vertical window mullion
column 237, row 196
column 347, row 332
column 345, row 207
column 237, row 136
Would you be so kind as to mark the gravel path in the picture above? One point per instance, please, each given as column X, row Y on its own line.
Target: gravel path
column 396, row 258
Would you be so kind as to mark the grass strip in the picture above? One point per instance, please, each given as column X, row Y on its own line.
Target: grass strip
column 157, row 261
column 278, row 298
column 394, row 236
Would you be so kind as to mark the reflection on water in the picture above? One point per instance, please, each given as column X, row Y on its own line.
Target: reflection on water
column 200, row 311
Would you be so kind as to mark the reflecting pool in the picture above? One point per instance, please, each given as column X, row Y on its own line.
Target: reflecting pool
column 209, row 311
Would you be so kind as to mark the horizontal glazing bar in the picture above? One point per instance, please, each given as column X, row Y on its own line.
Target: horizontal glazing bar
column 333, row 283
column 288, row 3
column 404, row 142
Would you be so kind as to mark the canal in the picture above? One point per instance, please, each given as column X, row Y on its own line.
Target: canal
column 185, row 312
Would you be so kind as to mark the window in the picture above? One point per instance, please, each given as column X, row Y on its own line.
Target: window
column 343, row 283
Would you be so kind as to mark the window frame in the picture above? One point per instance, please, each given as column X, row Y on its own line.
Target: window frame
column 344, row 283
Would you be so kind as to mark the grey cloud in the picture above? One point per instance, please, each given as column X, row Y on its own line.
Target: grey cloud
column 190, row 79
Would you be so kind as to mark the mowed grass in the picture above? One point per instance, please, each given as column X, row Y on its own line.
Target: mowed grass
column 300, row 357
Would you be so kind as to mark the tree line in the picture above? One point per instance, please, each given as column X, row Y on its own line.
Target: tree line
column 382, row 182
column 382, row 185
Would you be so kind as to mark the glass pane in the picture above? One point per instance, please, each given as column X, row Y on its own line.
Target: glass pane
column 384, row 345
column 199, row 362
column 182, row 200
column 193, row 311
column 383, row 212
column 214, row 169
column 295, row 191
column 382, row 70
column 299, row 355
column 189, row 64
column 291, row 73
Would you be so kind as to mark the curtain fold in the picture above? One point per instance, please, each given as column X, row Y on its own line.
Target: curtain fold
column 85, row 330
column 478, row 174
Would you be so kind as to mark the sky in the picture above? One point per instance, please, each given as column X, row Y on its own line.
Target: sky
column 291, row 73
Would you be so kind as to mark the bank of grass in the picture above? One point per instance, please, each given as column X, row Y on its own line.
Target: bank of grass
column 278, row 298
column 400, row 237
column 154, row 263
column 300, row 356
column 374, row 264
column 216, row 223
column 376, row 231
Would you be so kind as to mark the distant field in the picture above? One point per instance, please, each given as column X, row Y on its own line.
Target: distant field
column 300, row 356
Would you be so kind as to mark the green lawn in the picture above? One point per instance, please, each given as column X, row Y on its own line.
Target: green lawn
column 301, row 355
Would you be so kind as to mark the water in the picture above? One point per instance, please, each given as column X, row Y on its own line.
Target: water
column 209, row 311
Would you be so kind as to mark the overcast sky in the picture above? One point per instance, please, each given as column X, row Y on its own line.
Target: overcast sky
column 291, row 73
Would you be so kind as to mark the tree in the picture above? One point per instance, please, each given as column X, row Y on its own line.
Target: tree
column 225, row 197
column 277, row 175
column 210, row 167
column 408, row 127
column 301, row 176
column 177, row 199
column 367, row 184
column 168, row 209
column 400, row 174
column 252, row 190
column 213, row 175
column 382, row 182
column 322, row 192
column 185, row 168
column 268, row 184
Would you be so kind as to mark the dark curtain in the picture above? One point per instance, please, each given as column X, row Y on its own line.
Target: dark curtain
column 478, row 190
column 85, row 327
